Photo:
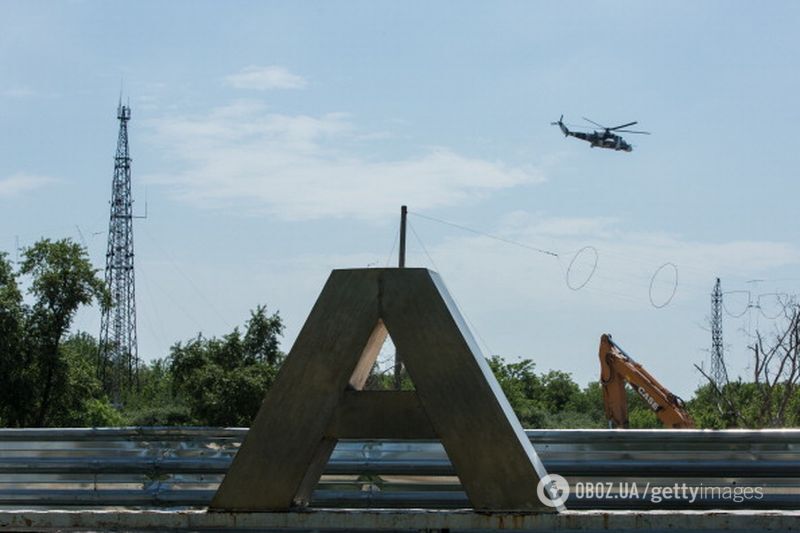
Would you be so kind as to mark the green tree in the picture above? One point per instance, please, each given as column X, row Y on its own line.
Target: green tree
column 80, row 400
column 523, row 388
column 155, row 402
column 707, row 411
column 13, row 368
column 223, row 381
column 62, row 280
column 579, row 408
column 550, row 400
column 41, row 377
column 560, row 391
column 590, row 403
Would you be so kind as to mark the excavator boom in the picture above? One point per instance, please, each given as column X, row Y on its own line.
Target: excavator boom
column 616, row 369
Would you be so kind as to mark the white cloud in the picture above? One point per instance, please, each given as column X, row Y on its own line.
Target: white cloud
column 21, row 183
column 18, row 92
column 265, row 78
column 297, row 167
column 523, row 222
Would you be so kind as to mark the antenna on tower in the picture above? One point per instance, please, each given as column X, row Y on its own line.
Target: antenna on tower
column 718, row 371
column 118, row 351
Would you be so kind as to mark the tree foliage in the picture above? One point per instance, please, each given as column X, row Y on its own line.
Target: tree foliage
column 224, row 380
column 44, row 379
column 155, row 402
column 14, row 373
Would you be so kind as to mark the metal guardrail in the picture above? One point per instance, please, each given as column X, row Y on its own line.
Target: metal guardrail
column 182, row 467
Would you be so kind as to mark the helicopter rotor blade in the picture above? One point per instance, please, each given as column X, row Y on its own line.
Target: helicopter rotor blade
column 632, row 131
column 624, row 125
column 595, row 123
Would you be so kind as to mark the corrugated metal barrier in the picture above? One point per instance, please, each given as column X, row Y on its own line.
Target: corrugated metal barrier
column 181, row 467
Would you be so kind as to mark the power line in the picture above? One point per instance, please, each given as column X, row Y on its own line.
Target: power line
column 674, row 288
column 471, row 326
column 579, row 286
column 746, row 307
column 177, row 302
column 159, row 332
column 422, row 245
column 394, row 245
column 489, row 235
column 209, row 302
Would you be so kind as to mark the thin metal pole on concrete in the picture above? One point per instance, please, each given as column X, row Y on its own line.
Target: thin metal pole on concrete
column 403, row 220
column 401, row 262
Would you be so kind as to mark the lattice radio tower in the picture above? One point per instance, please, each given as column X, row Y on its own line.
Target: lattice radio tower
column 119, row 358
column 718, row 372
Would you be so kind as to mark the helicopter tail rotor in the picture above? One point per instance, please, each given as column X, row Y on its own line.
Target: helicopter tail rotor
column 561, row 125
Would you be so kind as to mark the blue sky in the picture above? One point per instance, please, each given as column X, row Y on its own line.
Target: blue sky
column 275, row 141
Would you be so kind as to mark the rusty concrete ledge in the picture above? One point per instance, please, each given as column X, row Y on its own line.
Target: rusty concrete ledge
column 407, row 519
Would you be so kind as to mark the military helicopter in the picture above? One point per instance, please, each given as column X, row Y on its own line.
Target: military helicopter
column 602, row 139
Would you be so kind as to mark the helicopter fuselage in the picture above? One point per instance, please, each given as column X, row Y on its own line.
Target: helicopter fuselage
column 600, row 139
column 607, row 140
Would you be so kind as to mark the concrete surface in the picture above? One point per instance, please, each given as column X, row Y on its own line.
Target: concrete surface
column 398, row 520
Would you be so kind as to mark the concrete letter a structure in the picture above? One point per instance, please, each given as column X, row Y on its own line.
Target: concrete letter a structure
column 317, row 398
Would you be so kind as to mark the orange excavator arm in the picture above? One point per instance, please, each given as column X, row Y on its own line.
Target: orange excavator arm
column 616, row 369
